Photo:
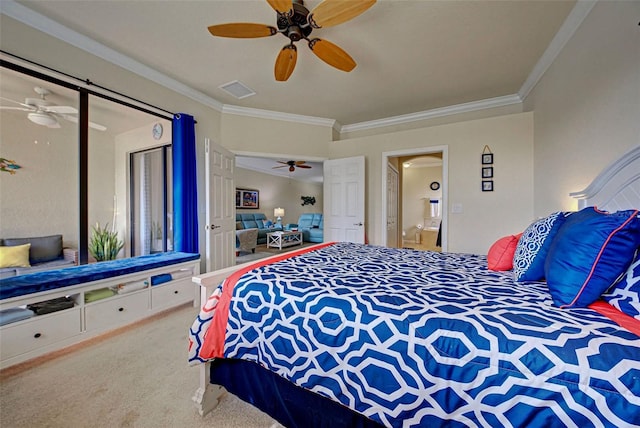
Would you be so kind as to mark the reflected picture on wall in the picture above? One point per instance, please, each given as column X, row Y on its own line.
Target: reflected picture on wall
column 247, row 198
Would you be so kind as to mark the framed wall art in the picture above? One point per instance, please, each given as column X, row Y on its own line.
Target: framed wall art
column 487, row 158
column 487, row 172
column 247, row 198
column 487, row 185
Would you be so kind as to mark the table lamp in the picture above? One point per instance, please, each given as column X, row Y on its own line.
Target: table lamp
column 278, row 213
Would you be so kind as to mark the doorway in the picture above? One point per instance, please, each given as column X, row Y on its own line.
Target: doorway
column 421, row 198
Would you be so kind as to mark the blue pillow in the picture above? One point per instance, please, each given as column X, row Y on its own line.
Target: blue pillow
column 591, row 250
column 533, row 246
column 625, row 295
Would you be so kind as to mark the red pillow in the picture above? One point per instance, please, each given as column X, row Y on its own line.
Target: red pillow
column 500, row 256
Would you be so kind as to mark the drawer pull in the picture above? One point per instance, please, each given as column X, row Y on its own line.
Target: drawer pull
column 37, row 335
column 120, row 309
column 175, row 292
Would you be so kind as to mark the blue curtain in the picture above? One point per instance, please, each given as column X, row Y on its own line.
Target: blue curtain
column 185, row 198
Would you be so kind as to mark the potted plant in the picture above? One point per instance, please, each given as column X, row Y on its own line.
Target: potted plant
column 104, row 243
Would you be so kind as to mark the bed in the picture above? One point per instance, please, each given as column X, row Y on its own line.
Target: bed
column 342, row 334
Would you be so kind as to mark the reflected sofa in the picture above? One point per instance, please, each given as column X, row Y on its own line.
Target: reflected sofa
column 311, row 225
column 44, row 253
column 256, row 221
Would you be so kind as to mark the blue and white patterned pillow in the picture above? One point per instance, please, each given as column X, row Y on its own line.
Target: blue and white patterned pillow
column 625, row 295
column 532, row 248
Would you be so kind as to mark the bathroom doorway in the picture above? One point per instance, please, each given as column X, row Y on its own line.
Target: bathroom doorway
column 421, row 217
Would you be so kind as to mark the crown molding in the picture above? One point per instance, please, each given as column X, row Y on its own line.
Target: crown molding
column 564, row 34
column 54, row 29
column 433, row 113
column 275, row 115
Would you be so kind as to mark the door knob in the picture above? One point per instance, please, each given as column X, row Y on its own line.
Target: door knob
column 213, row 226
column 357, row 224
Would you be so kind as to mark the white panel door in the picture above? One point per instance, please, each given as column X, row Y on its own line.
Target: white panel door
column 220, row 196
column 392, row 207
column 344, row 200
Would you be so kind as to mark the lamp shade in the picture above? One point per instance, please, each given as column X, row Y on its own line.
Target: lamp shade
column 278, row 212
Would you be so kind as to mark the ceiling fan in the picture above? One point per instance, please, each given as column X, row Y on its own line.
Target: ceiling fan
column 295, row 22
column 292, row 165
column 45, row 113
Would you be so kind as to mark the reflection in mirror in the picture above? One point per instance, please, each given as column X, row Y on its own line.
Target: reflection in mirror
column 39, row 192
column 40, row 199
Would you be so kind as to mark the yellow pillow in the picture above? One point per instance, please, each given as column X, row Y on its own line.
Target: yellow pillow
column 15, row 256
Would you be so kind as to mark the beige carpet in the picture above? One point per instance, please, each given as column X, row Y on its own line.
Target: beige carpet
column 262, row 252
column 135, row 378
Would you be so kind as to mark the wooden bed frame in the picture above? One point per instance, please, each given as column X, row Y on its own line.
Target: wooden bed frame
column 616, row 188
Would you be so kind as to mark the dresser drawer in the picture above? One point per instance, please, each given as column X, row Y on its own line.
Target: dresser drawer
column 38, row 332
column 115, row 311
column 172, row 294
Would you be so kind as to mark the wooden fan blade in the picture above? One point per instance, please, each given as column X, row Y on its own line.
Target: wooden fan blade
column 283, row 166
column 286, row 62
column 281, row 6
column 242, row 30
column 300, row 162
column 332, row 54
column 304, row 166
column 334, row 12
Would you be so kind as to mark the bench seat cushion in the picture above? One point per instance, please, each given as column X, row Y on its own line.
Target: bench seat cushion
column 52, row 279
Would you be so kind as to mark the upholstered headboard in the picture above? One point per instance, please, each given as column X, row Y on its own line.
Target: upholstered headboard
column 617, row 187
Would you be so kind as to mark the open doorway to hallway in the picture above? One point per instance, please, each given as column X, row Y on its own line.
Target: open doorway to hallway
column 416, row 214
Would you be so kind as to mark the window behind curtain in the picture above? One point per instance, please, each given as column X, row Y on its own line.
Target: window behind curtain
column 151, row 201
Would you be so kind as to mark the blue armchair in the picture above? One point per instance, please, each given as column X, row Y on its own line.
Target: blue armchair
column 311, row 225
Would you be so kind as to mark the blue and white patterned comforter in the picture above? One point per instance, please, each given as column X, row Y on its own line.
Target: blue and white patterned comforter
column 410, row 338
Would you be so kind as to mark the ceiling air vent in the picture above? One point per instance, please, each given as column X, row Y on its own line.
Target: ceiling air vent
column 237, row 89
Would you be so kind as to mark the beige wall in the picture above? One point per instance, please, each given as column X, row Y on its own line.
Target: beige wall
column 587, row 105
column 279, row 192
column 242, row 134
column 486, row 216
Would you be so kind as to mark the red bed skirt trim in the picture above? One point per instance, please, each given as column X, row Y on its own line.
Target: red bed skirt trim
column 614, row 314
column 213, row 346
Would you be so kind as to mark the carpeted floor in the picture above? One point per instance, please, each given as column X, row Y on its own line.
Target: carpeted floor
column 262, row 251
column 138, row 377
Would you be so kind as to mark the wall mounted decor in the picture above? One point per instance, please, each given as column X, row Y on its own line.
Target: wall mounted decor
column 247, row 198
column 487, row 185
column 9, row 166
column 308, row 200
column 487, row 172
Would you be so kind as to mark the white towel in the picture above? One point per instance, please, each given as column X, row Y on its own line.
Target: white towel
column 128, row 287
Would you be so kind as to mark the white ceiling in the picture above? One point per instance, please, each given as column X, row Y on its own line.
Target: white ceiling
column 412, row 55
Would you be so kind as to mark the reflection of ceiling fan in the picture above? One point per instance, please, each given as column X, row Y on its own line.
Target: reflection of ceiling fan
column 45, row 113
column 295, row 22
column 292, row 165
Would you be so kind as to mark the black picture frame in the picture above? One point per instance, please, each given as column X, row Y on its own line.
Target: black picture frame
column 248, row 199
column 487, row 158
column 487, row 172
column 487, row 185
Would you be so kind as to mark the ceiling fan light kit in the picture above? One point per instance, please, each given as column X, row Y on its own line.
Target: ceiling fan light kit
column 295, row 22
column 45, row 113
column 43, row 119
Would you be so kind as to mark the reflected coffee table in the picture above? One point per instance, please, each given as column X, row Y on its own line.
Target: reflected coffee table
column 283, row 239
